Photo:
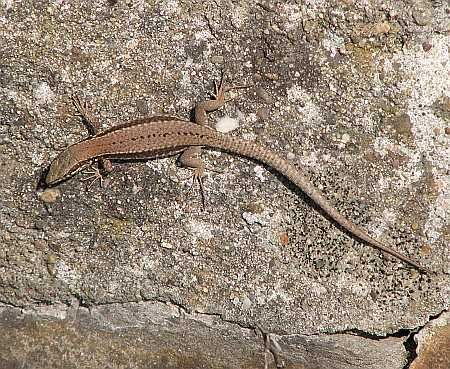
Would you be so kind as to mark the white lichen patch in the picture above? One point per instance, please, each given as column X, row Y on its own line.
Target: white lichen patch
column 409, row 172
column 67, row 274
column 159, row 165
column 56, row 310
column 381, row 227
column 199, row 229
column 333, row 43
column 170, row 8
column 239, row 16
column 6, row 4
column 261, row 219
column 227, row 124
column 267, row 225
column 426, row 81
column 305, row 105
column 293, row 16
column 358, row 287
column 43, row 93
column 260, row 173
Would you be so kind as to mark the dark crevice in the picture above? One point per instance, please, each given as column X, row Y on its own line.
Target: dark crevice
column 410, row 343
column 411, row 350
column 10, row 304
column 377, row 337
column 188, row 311
column 408, row 335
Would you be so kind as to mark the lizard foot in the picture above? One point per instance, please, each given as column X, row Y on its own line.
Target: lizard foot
column 197, row 176
column 94, row 174
column 85, row 113
column 220, row 89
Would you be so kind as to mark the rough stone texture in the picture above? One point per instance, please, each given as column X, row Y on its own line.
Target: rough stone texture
column 354, row 93
column 157, row 335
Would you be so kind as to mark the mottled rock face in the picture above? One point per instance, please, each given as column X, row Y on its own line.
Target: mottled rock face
column 355, row 93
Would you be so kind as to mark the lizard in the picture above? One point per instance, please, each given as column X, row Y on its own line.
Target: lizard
column 164, row 135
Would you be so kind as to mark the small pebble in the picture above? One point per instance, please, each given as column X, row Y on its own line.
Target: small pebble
column 382, row 28
column 246, row 303
column 166, row 245
column 445, row 104
column 40, row 244
column 402, row 124
column 51, row 264
column 142, row 107
column 284, row 239
column 345, row 138
column 50, row 195
column 290, row 156
column 272, row 76
column 218, row 59
column 426, row 46
column 262, row 113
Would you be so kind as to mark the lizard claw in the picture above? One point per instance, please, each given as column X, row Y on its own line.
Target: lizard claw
column 86, row 115
column 197, row 176
column 93, row 175
column 220, row 89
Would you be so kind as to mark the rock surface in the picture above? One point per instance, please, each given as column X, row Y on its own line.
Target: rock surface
column 353, row 93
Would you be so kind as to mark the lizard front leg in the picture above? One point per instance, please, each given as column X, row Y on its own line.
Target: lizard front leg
column 191, row 156
column 93, row 126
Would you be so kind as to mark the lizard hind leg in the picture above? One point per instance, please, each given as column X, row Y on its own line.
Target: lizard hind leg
column 190, row 159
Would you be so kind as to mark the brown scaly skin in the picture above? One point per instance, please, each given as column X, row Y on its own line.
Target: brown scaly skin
column 162, row 136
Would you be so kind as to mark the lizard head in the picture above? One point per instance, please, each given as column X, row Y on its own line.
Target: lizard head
column 64, row 165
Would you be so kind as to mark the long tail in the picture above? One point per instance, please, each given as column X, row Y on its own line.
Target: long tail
column 266, row 156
